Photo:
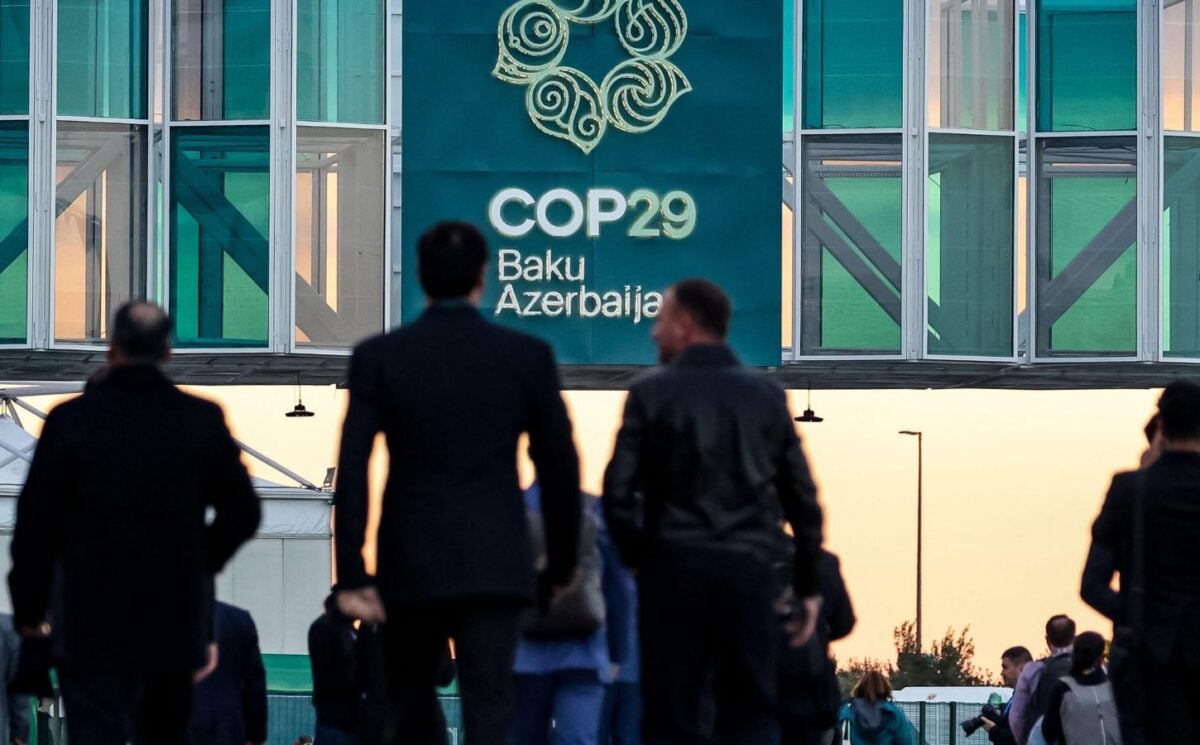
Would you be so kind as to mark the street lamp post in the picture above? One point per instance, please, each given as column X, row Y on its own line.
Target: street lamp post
column 920, row 483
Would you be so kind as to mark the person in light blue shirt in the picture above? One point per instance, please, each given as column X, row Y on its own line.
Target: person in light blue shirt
column 560, row 683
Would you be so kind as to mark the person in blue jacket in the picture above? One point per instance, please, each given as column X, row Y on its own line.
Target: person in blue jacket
column 560, row 683
column 621, row 719
column 871, row 717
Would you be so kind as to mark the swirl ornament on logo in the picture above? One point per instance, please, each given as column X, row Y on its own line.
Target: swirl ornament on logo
column 563, row 101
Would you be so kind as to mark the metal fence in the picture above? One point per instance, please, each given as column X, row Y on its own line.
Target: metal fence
column 292, row 715
column 937, row 724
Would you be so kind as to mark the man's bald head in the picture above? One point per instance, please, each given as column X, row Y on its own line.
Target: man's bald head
column 140, row 335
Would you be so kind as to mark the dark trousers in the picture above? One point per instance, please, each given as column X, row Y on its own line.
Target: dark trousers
column 485, row 634
column 710, row 643
column 1172, row 704
column 621, row 717
column 115, row 709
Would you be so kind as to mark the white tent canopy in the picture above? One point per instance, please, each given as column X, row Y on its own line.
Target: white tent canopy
column 281, row 576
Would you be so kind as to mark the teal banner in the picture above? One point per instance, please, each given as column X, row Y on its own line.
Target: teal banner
column 607, row 148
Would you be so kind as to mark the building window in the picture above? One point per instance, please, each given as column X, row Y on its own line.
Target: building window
column 100, row 226
column 971, row 64
column 219, row 212
column 1086, row 272
column 221, row 62
column 969, row 245
column 340, row 213
column 851, row 245
column 102, row 58
column 14, row 57
column 1181, row 247
column 1087, row 65
column 340, row 61
column 849, row 83
column 1181, row 66
column 14, row 231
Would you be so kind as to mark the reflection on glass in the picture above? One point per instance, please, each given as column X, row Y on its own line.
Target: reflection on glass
column 1022, row 70
column 1181, row 66
column 102, row 58
column 788, row 301
column 219, row 214
column 1086, row 272
column 969, row 245
column 221, row 59
column 1181, row 247
column 849, row 81
column 1087, row 65
column 14, row 56
column 340, row 56
column 850, row 249
column 100, row 226
column 971, row 64
column 14, row 232
column 339, row 236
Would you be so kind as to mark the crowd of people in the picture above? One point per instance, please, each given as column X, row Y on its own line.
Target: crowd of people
column 690, row 603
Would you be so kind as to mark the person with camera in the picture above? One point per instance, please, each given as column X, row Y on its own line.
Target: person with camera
column 1012, row 663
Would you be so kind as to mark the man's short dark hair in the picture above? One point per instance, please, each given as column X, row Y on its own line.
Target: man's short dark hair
column 706, row 303
column 141, row 332
column 1060, row 631
column 450, row 258
column 1151, row 429
column 1179, row 411
column 1017, row 655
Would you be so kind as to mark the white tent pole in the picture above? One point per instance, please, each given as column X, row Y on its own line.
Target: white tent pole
column 279, row 467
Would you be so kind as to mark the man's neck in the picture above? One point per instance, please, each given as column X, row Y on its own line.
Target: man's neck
column 1182, row 446
column 1056, row 651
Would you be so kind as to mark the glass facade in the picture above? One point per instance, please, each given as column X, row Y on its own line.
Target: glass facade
column 1181, row 247
column 100, row 226
column 102, row 62
column 219, row 212
column 1086, row 274
column 14, row 231
column 339, row 236
column 14, row 57
column 1087, row 65
column 339, row 72
column 849, row 84
column 221, row 61
column 971, row 65
column 1181, row 66
column 851, row 245
column 969, row 245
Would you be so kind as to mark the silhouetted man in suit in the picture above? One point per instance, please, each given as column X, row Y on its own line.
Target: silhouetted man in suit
column 706, row 459
column 1168, row 656
column 453, row 394
column 230, row 706
column 113, row 515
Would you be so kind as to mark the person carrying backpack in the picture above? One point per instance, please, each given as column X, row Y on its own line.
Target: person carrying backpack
column 870, row 717
column 1082, row 710
column 1031, row 697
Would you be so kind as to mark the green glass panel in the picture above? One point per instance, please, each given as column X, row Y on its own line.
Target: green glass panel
column 14, row 232
column 851, row 246
column 14, row 56
column 1086, row 259
column 1087, row 65
column 102, row 58
column 340, row 61
column 789, row 65
column 219, row 213
column 1023, row 72
column 851, row 82
column 1181, row 247
column 222, row 59
column 971, row 64
column 969, row 245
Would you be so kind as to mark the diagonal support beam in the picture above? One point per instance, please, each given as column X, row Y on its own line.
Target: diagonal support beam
column 880, row 291
column 853, row 227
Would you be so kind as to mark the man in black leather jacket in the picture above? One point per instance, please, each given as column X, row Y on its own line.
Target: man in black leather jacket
column 706, row 465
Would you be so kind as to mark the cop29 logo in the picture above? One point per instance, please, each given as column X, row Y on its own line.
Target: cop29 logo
column 565, row 102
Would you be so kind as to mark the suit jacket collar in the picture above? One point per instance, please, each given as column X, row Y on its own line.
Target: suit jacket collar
column 707, row 355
